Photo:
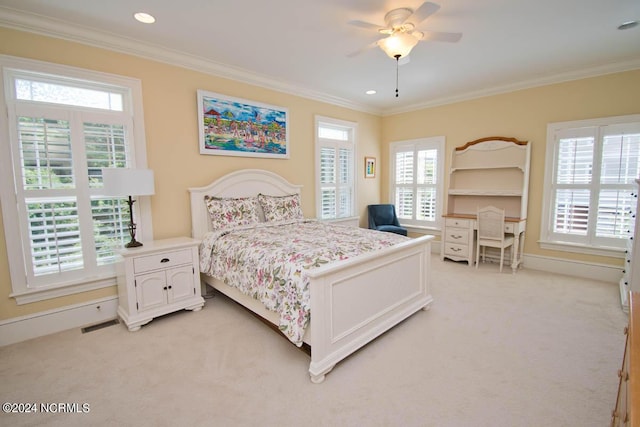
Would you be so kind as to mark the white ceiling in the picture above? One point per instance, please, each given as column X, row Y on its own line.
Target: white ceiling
column 301, row 46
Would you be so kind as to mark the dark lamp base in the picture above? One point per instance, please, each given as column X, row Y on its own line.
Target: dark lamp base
column 133, row 244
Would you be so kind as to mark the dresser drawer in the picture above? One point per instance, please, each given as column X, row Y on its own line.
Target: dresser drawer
column 457, row 235
column 456, row 222
column 162, row 260
column 456, row 250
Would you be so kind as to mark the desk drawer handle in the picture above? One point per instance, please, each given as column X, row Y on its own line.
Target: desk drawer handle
column 456, row 237
column 456, row 249
column 164, row 260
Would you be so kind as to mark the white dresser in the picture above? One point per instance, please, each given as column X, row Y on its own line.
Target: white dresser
column 160, row 277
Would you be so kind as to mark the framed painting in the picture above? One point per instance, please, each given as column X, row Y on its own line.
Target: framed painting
column 369, row 167
column 237, row 127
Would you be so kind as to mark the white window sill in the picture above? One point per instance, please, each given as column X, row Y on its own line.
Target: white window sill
column 582, row 249
column 42, row 294
column 422, row 229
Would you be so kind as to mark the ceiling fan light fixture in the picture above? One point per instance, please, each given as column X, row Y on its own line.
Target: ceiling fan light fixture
column 398, row 45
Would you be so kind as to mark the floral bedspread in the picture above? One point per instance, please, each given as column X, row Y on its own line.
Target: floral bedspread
column 268, row 262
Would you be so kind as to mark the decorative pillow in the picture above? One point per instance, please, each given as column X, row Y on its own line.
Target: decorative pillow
column 280, row 208
column 229, row 212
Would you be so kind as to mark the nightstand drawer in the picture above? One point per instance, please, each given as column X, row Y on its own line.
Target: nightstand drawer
column 162, row 260
column 456, row 222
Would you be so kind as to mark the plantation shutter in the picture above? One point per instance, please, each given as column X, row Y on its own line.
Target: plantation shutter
column 106, row 147
column 620, row 167
column 575, row 163
column 594, row 184
column 426, row 185
column 328, row 182
column 50, row 203
column 404, row 184
column 345, row 179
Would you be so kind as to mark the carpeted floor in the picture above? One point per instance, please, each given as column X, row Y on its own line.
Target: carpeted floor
column 531, row 349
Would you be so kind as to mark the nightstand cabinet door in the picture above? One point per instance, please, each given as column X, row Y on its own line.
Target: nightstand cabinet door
column 151, row 291
column 180, row 284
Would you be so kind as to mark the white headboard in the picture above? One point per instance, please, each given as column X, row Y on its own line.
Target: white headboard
column 242, row 183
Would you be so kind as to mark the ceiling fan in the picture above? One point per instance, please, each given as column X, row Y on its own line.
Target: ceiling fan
column 400, row 31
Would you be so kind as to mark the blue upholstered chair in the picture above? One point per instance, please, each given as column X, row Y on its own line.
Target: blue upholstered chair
column 383, row 218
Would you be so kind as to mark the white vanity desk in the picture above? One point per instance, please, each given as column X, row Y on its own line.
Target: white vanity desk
column 491, row 171
column 458, row 241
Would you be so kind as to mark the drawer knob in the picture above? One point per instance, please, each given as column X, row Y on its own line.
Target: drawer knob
column 164, row 260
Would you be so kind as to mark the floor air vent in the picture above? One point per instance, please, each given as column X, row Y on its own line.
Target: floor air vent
column 100, row 326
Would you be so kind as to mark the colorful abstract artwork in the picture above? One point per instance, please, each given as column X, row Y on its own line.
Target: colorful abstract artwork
column 238, row 127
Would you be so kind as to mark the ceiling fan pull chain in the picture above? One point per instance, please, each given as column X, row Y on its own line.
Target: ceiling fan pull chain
column 397, row 66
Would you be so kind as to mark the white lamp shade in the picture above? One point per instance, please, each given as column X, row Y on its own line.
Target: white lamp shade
column 127, row 182
column 398, row 44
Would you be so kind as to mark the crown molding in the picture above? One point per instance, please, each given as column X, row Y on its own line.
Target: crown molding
column 50, row 27
column 584, row 73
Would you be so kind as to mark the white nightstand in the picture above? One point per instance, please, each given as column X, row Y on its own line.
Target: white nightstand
column 160, row 277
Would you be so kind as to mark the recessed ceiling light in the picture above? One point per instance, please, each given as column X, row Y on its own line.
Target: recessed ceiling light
column 627, row 25
column 370, row 92
column 145, row 18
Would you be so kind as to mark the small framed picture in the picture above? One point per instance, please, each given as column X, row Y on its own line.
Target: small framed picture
column 369, row 167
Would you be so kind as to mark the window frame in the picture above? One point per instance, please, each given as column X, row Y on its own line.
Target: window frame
column 427, row 143
column 590, row 244
column 320, row 143
column 10, row 68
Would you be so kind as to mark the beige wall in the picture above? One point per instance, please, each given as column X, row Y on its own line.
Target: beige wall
column 169, row 97
column 524, row 115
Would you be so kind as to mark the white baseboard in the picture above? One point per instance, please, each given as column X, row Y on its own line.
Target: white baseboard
column 60, row 319
column 587, row 270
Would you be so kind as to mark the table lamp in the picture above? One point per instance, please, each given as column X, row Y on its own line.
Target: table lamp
column 122, row 182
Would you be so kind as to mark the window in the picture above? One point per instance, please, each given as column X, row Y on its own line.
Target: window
column 335, row 166
column 63, row 126
column 590, row 190
column 417, row 181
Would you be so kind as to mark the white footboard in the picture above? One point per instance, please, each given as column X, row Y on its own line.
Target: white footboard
column 357, row 300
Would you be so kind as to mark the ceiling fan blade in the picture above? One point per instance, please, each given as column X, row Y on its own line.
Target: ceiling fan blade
column 425, row 10
column 441, row 37
column 365, row 25
column 363, row 49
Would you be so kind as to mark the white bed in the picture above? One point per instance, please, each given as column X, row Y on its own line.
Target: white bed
column 352, row 301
